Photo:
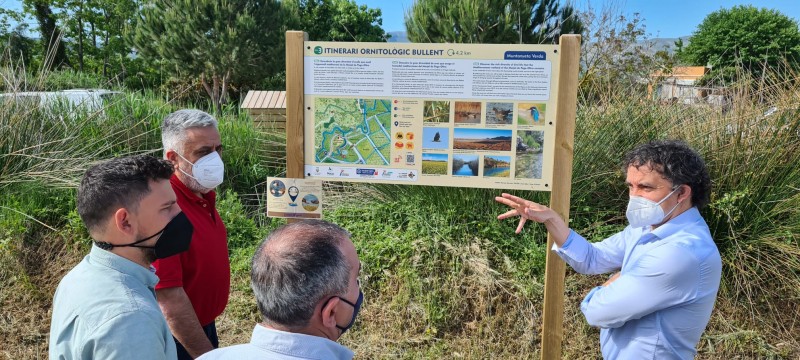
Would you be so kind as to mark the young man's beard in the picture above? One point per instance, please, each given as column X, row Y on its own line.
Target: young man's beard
column 149, row 255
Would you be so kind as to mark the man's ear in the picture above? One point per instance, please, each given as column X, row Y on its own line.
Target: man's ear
column 122, row 221
column 172, row 157
column 329, row 312
column 684, row 193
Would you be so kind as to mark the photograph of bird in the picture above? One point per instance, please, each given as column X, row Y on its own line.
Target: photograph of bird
column 534, row 113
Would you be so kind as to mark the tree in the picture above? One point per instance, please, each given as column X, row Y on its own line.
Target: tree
column 54, row 50
column 616, row 57
column 15, row 46
column 18, row 47
column 336, row 20
column 491, row 21
column 216, row 42
column 744, row 36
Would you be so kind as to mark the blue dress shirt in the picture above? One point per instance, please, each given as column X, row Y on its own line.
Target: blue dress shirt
column 281, row 345
column 662, row 301
column 105, row 308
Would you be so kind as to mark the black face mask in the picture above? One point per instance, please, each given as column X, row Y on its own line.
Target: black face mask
column 356, row 309
column 175, row 238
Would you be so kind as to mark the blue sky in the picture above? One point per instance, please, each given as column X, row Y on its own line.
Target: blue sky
column 429, row 133
column 468, row 133
column 663, row 18
column 666, row 19
column 499, row 158
column 434, row 157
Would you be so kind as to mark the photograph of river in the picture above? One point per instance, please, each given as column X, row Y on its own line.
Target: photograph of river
column 496, row 166
column 466, row 165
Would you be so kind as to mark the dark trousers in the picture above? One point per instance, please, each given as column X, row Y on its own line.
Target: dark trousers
column 211, row 334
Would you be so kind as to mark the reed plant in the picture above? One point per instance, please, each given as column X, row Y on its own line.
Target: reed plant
column 415, row 245
column 443, row 277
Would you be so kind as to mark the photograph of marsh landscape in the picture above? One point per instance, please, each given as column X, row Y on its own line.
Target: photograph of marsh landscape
column 499, row 113
column 529, row 154
column 434, row 164
column 482, row 139
column 531, row 113
column 436, row 112
column 496, row 166
column 466, row 165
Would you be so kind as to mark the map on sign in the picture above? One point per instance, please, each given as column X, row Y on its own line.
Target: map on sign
column 352, row 131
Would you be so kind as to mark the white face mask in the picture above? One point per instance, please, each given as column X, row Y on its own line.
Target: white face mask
column 208, row 171
column 643, row 212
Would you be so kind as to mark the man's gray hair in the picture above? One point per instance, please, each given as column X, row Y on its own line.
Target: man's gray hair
column 173, row 129
column 297, row 266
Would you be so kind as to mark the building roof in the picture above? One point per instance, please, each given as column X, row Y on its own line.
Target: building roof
column 264, row 100
column 683, row 72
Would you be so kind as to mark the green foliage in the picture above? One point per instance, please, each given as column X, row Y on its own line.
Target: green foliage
column 70, row 79
column 218, row 43
column 242, row 230
column 434, row 167
column 336, row 20
column 50, row 35
column 430, row 242
column 495, row 21
column 30, row 208
column 244, row 158
column 533, row 139
column 743, row 36
column 20, row 49
column 94, row 29
column 90, row 40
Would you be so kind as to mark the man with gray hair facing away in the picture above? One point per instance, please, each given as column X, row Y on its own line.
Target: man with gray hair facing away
column 194, row 286
column 305, row 278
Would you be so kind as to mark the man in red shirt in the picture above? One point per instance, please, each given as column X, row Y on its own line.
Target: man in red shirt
column 194, row 286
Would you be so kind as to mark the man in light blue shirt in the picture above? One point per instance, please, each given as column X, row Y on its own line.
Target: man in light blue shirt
column 659, row 302
column 105, row 307
column 305, row 278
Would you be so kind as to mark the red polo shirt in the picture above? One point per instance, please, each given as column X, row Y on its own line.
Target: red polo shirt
column 204, row 271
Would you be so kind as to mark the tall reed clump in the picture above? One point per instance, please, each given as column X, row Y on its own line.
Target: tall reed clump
column 410, row 232
column 751, row 147
column 44, row 151
column 753, row 151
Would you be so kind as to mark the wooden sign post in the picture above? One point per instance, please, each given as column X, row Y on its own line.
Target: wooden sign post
column 294, row 105
column 553, row 321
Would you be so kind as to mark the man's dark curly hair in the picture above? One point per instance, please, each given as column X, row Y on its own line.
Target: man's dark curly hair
column 676, row 162
column 118, row 183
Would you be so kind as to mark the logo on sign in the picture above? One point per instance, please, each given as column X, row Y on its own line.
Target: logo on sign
column 366, row 172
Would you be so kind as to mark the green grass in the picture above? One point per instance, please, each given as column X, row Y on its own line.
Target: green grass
column 505, row 174
column 434, row 167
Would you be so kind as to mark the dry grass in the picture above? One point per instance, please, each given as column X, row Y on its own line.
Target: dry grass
column 29, row 275
column 498, row 317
